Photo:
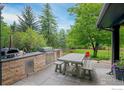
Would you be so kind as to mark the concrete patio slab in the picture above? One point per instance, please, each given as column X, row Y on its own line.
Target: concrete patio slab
column 49, row 77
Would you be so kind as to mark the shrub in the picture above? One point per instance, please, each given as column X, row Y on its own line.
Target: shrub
column 29, row 40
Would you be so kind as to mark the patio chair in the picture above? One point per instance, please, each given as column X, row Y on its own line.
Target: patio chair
column 58, row 66
column 87, row 68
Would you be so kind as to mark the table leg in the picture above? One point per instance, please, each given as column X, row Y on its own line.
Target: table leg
column 90, row 76
column 84, row 73
column 77, row 70
column 64, row 68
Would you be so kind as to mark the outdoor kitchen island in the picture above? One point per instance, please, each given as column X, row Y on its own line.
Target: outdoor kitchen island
column 17, row 68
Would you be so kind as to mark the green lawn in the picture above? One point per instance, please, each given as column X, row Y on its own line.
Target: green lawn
column 102, row 54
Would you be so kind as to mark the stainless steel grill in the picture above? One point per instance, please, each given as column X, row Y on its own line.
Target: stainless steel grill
column 9, row 52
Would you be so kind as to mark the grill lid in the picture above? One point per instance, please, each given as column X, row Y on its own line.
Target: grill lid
column 9, row 52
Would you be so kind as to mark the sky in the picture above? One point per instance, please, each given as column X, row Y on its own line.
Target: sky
column 63, row 18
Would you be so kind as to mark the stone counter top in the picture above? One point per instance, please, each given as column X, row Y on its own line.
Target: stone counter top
column 23, row 56
column 27, row 55
column 57, row 49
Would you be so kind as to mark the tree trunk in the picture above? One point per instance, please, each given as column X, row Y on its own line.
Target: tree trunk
column 95, row 49
column 95, row 52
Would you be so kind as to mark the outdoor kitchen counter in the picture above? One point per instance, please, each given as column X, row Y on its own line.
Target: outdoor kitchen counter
column 17, row 68
column 22, row 56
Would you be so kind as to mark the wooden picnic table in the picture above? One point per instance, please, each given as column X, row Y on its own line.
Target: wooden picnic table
column 74, row 58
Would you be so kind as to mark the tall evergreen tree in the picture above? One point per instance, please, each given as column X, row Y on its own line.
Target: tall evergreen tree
column 27, row 20
column 62, row 38
column 13, row 27
column 48, row 26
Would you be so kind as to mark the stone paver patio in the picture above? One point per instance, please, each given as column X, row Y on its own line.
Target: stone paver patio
column 49, row 77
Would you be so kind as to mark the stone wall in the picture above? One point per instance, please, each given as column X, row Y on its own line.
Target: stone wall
column 39, row 62
column 50, row 57
column 58, row 53
column 15, row 70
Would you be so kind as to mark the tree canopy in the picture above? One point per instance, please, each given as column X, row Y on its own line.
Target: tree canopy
column 5, row 33
column 62, row 38
column 83, row 34
column 27, row 20
column 29, row 40
column 84, row 31
column 48, row 26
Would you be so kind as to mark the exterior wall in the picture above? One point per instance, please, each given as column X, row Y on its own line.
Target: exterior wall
column 15, row 70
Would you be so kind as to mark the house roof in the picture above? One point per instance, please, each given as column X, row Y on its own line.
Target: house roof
column 111, row 14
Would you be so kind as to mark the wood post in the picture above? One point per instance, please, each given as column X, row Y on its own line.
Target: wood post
column 115, row 44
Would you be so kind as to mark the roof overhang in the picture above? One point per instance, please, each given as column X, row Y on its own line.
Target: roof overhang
column 112, row 14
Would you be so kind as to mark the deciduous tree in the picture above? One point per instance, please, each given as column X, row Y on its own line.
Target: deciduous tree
column 84, row 31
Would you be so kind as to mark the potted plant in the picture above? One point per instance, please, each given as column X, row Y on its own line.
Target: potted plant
column 119, row 70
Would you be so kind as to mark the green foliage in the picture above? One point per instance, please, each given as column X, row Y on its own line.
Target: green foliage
column 62, row 39
column 75, row 39
column 5, row 33
column 29, row 40
column 27, row 20
column 48, row 26
column 102, row 54
column 122, row 37
column 120, row 64
column 13, row 27
column 84, row 31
